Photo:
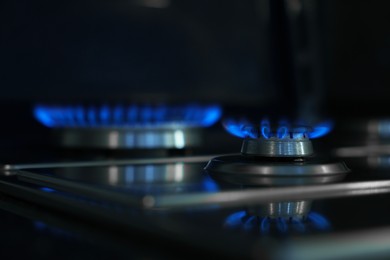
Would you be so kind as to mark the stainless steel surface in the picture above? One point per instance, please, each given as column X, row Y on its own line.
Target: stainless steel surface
column 129, row 138
column 276, row 147
column 363, row 244
column 363, row 151
column 130, row 175
column 192, row 159
column 259, row 196
column 246, row 197
column 79, row 188
column 243, row 170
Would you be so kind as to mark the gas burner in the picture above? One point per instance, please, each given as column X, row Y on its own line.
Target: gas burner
column 282, row 217
column 308, row 222
column 281, row 155
column 284, row 141
column 128, row 127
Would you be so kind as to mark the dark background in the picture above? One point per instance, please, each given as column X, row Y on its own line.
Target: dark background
column 306, row 58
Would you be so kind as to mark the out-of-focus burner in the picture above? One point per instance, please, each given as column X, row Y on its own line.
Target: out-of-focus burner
column 128, row 127
column 283, row 217
column 275, row 155
column 366, row 138
column 310, row 222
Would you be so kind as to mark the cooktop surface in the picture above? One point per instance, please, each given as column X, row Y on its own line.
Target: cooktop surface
column 176, row 205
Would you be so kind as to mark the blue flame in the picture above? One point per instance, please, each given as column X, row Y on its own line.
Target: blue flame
column 265, row 129
column 319, row 221
column 241, row 129
column 282, row 132
column 209, row 184
column 281, row 225
column 244, row 129
column 250, row 223
column 249, row 131
column 265, row 225
column 47, row 189
column 298, row 225
column 234, row 219
column 321, row 129
column 42, row 226
column 314, row 221
column 127, row 116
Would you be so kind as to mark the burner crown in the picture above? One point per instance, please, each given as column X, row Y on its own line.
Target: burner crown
column 284, row 141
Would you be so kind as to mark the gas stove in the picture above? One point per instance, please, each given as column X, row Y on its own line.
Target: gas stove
column 131, row 126
column 280, row 197
column 154, row 129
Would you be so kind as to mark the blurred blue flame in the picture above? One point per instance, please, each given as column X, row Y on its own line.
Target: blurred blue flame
column 321, row 129
column 235, row 219
column 244, row 129
column 298, row 225
column 239, row 128
column 319, row 221
column 210, row 185
column 47, row 189
column 127, row 116
column 281, row 225
column 42, row 226
column 265, row 128
column 250, row 223
column 265, row 225
column 283, row 128
column 314, row 221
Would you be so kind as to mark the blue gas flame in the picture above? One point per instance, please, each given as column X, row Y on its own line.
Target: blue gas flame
column 281, row 225
column 298, row 225
column 319, row 221
column 242, row 129
column 209, row 185
column 283, row 130
column 47, row 189
column 265, row 128
column 234, row 220
column 242, row 220
column 265, row 225
column 250, row 223
column 321, row 129
column 127, row 116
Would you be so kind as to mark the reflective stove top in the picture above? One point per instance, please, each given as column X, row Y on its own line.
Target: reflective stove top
column 174, row 201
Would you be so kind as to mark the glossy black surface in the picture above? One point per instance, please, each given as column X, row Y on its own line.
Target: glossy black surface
column 66, row 215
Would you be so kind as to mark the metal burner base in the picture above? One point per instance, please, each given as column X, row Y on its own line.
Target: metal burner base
column 142, row 138
column 286, row 209
column 275, row 147
column 246, row 170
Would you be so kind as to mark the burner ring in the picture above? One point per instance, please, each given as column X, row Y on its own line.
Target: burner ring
column 275, row 147
column 285, row 209
column 245, row 170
